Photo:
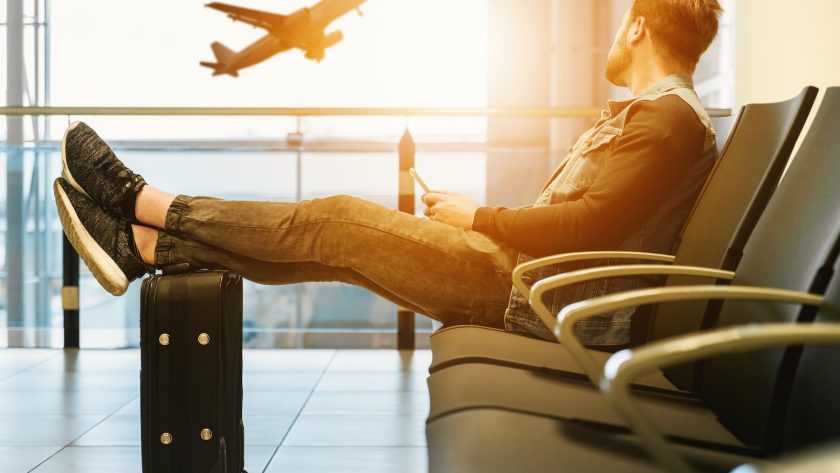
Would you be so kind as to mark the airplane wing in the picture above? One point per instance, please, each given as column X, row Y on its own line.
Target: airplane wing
column 246, row 15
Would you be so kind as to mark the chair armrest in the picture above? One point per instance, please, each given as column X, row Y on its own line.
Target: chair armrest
column 625, row 366
column 573, row 277
column 523, row 268
column 571, row 314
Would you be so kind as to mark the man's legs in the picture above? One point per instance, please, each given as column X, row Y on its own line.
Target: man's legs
column 449, row 274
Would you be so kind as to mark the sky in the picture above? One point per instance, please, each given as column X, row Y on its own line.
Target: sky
column 401, row 53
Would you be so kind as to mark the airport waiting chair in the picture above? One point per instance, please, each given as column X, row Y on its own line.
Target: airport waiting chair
column 472, row 384
column 817, row 460
column 804, row 399
column 740, row 184
column 742, row 398
column 496, row 440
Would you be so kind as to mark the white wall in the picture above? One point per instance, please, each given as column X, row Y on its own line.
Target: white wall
column 783, row 45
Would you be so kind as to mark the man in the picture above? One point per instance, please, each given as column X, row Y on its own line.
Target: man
column 627, row 184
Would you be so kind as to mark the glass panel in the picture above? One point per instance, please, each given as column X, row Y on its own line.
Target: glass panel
column 39, row 250
column 306, row 315
column 205, row 132
column 714, row 78
column 3, row 57
column 403, row 53
column 388, row 58
column 3, row 267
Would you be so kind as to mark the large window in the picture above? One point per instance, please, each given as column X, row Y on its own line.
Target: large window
column 401, row 53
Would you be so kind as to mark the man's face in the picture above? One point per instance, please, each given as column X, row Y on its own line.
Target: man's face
column 620, row 57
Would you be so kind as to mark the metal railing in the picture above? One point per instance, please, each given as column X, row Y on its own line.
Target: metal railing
column 406, row 150
column 523, row 112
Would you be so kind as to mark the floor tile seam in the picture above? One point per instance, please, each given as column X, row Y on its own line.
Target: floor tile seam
column 297, row 416
column 137, row 445
column 136, row 416
column 84, row 369
column 414, row 447
column 367, row 415
column 371, row 391
column 66, row 447
column 273, row 453
column 63, row 416
column 61, row 449
column 350, row 445
column 29, row 367
column 35, row 369
column 102, row 421
column 118, row 445
column 52, row 390
column 361, row 391
column 381, row 370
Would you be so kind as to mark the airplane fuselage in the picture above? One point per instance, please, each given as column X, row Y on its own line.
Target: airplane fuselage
column 328, row 11
column 259, row 51
column 303, row 29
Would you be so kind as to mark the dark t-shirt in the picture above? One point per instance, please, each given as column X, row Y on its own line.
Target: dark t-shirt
column 660, row 143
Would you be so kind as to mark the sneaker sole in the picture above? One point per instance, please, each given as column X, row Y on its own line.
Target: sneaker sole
column 102, row 266
column 66, row 170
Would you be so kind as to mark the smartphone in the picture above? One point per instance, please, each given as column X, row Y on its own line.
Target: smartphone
column 419, row 181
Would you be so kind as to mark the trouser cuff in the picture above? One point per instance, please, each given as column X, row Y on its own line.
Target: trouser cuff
column 172, row 226
column 172, row 222
column 164, row 249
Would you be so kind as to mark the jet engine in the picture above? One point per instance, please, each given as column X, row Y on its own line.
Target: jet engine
column 317, row 52
column 332, row 39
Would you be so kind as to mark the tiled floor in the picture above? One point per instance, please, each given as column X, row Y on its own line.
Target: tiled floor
column 305, row 411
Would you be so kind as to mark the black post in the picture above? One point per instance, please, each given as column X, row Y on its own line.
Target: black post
column 405, row 318
column 70, row 295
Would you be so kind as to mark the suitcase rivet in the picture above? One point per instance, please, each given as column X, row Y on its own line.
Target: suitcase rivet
column 204, row 339
column 166, row 438
column 206, row 434
column 164, row 339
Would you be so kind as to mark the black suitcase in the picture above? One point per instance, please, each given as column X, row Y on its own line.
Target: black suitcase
column 191, row 372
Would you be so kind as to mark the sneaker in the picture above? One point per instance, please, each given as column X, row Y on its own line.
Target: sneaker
column 105, row 243
column 92, row 168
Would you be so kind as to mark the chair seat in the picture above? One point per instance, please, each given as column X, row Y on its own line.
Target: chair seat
column 496, row 441
column 471, row 344
column 479, row 385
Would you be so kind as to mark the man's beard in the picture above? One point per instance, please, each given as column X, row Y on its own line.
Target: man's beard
column 619, row 61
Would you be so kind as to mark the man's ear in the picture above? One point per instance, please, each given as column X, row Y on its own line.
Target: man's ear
column 637, row 30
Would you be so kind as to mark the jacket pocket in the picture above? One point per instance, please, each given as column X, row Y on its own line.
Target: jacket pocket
column 602, row 138
column 585, row 167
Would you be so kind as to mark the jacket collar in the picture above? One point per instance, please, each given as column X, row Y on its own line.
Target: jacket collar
column 668, row 83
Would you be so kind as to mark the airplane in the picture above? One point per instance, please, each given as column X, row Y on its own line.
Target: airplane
column 303, row 29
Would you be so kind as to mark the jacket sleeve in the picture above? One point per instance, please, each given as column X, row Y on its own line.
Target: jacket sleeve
column 661, row 141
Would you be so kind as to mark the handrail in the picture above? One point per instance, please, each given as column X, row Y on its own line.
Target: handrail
column 320, row 112
column 313, row 145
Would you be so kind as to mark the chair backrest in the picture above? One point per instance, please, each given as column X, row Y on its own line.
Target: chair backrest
column 794, row 246
column 742, row 182
column 813, row 413
column 724, row 126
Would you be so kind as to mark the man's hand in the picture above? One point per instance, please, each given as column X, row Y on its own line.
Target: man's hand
column 452, row 209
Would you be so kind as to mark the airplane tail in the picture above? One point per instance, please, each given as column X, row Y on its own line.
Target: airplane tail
column 223, row 53
column 223, row 56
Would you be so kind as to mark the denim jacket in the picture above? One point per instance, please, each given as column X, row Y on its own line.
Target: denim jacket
column 658, row 234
